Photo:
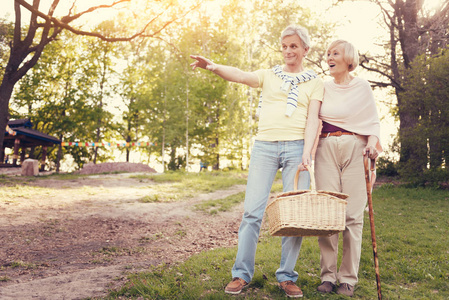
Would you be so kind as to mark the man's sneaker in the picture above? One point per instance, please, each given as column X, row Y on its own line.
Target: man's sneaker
column 236, row 286
column 326, row 287
column 291, row 289
column 346, row 289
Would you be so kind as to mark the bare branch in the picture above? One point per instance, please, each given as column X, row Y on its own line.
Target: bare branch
column 53, row 7
column 71, row 8
column 385, row 12
column 367, row 59
column 63, row 24
column 170, row 22
column 274, row 49
column 65, row 20
column 393, row 82
column 380, row 84
column 68, row 19
column 32, row 28
column 45, row 39
column 317, row 64
column 439, row 18
column 18, row 23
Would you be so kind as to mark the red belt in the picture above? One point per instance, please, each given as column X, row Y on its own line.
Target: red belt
column 335, row 133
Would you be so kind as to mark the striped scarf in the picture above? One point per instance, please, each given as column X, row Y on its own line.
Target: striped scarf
column 289, row 82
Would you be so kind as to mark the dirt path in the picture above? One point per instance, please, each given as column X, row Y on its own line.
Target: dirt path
column 81, row 239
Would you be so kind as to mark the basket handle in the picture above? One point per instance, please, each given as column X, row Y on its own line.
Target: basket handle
column 312, row 179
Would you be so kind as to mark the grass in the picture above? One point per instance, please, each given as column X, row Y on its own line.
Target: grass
column 15, row 192
column 168, row 187
column 175, row 186
column 202, row 182
column 21, row 264
column 16, row 188
column 6, row 180
column 220, row 205
column 412, row 229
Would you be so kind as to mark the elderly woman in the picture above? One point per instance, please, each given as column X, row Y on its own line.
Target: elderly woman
column 350, row 130
column 289, row 94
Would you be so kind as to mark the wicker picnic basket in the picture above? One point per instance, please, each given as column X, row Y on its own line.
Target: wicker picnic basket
column 307, row 212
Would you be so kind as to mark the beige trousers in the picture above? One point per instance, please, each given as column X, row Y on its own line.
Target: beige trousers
column 339, row 167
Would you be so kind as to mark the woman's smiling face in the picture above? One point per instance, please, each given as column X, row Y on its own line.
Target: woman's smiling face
column 293, row 50
column 336, row 62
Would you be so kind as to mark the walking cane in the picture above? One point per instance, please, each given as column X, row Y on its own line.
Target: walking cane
column 369, row 187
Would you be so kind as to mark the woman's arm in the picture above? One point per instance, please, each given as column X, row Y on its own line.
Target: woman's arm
column 226, row 72
column 311, row 132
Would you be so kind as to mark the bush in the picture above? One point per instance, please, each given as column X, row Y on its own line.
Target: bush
column 386, row 167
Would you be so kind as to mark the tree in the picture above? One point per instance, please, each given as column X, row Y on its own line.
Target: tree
column 412, row 31
column 59, row 94
column 246, row 37
column 180, row 111
column 141, row 104
column 132, row 88
column 45, row 27
column 426, row 88
column 100, row 72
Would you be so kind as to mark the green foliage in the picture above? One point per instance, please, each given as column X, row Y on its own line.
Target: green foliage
column 426, row 97
column 63, row 98
column 84, row 89
column 434, row 178
column 386, row 167
column 150, row 199
column 411, row 230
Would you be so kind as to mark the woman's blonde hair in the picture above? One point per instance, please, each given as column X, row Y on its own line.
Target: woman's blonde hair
column 350, row 54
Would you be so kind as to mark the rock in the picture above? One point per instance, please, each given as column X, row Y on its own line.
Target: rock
column 30, row 167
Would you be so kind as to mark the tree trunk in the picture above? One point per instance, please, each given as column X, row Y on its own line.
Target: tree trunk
column 435, row 137
column 6, row 89
column 217, row 164
column 411, row 146
column 59, row 155
column 128, row 141
column 408, row 29
column 217, row 135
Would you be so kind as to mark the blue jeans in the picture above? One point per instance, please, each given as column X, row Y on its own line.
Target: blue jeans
column 266, row 159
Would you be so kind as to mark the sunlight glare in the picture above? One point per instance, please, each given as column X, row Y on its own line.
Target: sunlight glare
column 432, row 4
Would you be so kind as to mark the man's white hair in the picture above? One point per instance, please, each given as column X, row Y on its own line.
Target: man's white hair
column 299, row 31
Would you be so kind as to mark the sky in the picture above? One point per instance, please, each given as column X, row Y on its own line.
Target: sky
column 360, row 28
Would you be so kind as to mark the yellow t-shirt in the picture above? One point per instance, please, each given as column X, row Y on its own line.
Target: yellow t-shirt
column 274, row 125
